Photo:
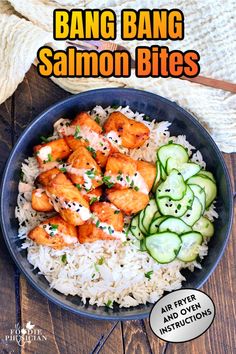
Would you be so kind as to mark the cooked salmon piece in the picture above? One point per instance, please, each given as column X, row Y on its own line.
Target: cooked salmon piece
column 128, row 200
column 40, row 201
column 93, row 195
column 51, row 152
column 107, row 215
column 54, row 232
column 120, row 168
column 67, row 200
column 83, row 169
column 133, row 134
column 45, row 177
column 102, row 156
column 148, row 171
column 82, row 119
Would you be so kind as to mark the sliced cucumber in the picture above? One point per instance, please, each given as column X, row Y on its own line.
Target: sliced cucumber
column 149, row 212
column 175, row 151
column 143, row 245
column 173, row 187
column 163, row 247
column 190, row 246
column 208, row 185
column 193, row 213
column 156, row 215
column 155, row 224
column 140, row 222
column 200, row 194
column 207, row 174
column 157, row 178
column 134, row 228
column 204, row 226
column 187, row 169
column 177, row 208
column 163, row 173
column 175, row 225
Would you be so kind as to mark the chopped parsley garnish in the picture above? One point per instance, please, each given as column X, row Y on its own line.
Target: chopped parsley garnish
column 115, row 107
column 106, row 180
column 63, row 258
column 117, row 212
column 101, row 143
column 170, row 142
column 101, row 261
column 93, row 275
column 109, row 304
column 118, row 177
column 97, row 223
column 49, row 158
column 93, row 152
column 63, row 169
column 77, row 131
column 44, row 139
column 93, row 200
column 110, row 230
column 54, row 227
column 132, row 184
column 90, row 174
column 127, row 178
column 136, row 188
column 97, row 120
column 78, row 186
column 149, row 274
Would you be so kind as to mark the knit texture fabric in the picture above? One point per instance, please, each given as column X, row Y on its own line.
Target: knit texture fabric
column 209, row 29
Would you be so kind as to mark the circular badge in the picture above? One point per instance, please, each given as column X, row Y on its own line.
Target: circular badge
column 182, row 315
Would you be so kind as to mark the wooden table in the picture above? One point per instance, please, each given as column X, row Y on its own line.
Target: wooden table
column 66, row 332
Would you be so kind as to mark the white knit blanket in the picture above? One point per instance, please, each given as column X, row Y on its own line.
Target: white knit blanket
column 210, row 29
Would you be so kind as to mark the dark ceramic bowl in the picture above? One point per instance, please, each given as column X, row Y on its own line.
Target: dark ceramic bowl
column 155, row 107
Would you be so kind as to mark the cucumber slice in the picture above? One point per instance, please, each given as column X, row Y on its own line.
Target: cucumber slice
column 163, row 247
column 204, row 226
column 149, row 212
column 193, row 213
column 190, row 246
column 187, row 169
column 207, row 174
column 200, row 194
column 155, row 224
column 158, row 177
column 134, row 228
column 156, row 215
column 175, row 151
column 208, row 185
column 140, row 222
column 175, row 225
column 173, row 187
column 163, row 173
column 143, row 245
column 176, row 208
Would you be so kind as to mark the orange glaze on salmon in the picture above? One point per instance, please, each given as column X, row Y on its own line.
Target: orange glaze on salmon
column 67, row 200
column 48, row 154
column 54, row 232
column 40, row 201
column 133, row 134
column 82, row 119
column 128, row 200
column 126, row 172
column 82, row 169
column 108, row 224
column 45, row 177
column 92, row 195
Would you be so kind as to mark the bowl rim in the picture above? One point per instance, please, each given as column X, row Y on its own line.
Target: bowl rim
column 50, row 297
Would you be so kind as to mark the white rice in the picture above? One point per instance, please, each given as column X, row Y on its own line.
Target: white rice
column 121, row 278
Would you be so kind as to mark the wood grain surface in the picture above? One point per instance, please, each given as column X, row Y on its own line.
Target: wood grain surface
column 69, row 333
